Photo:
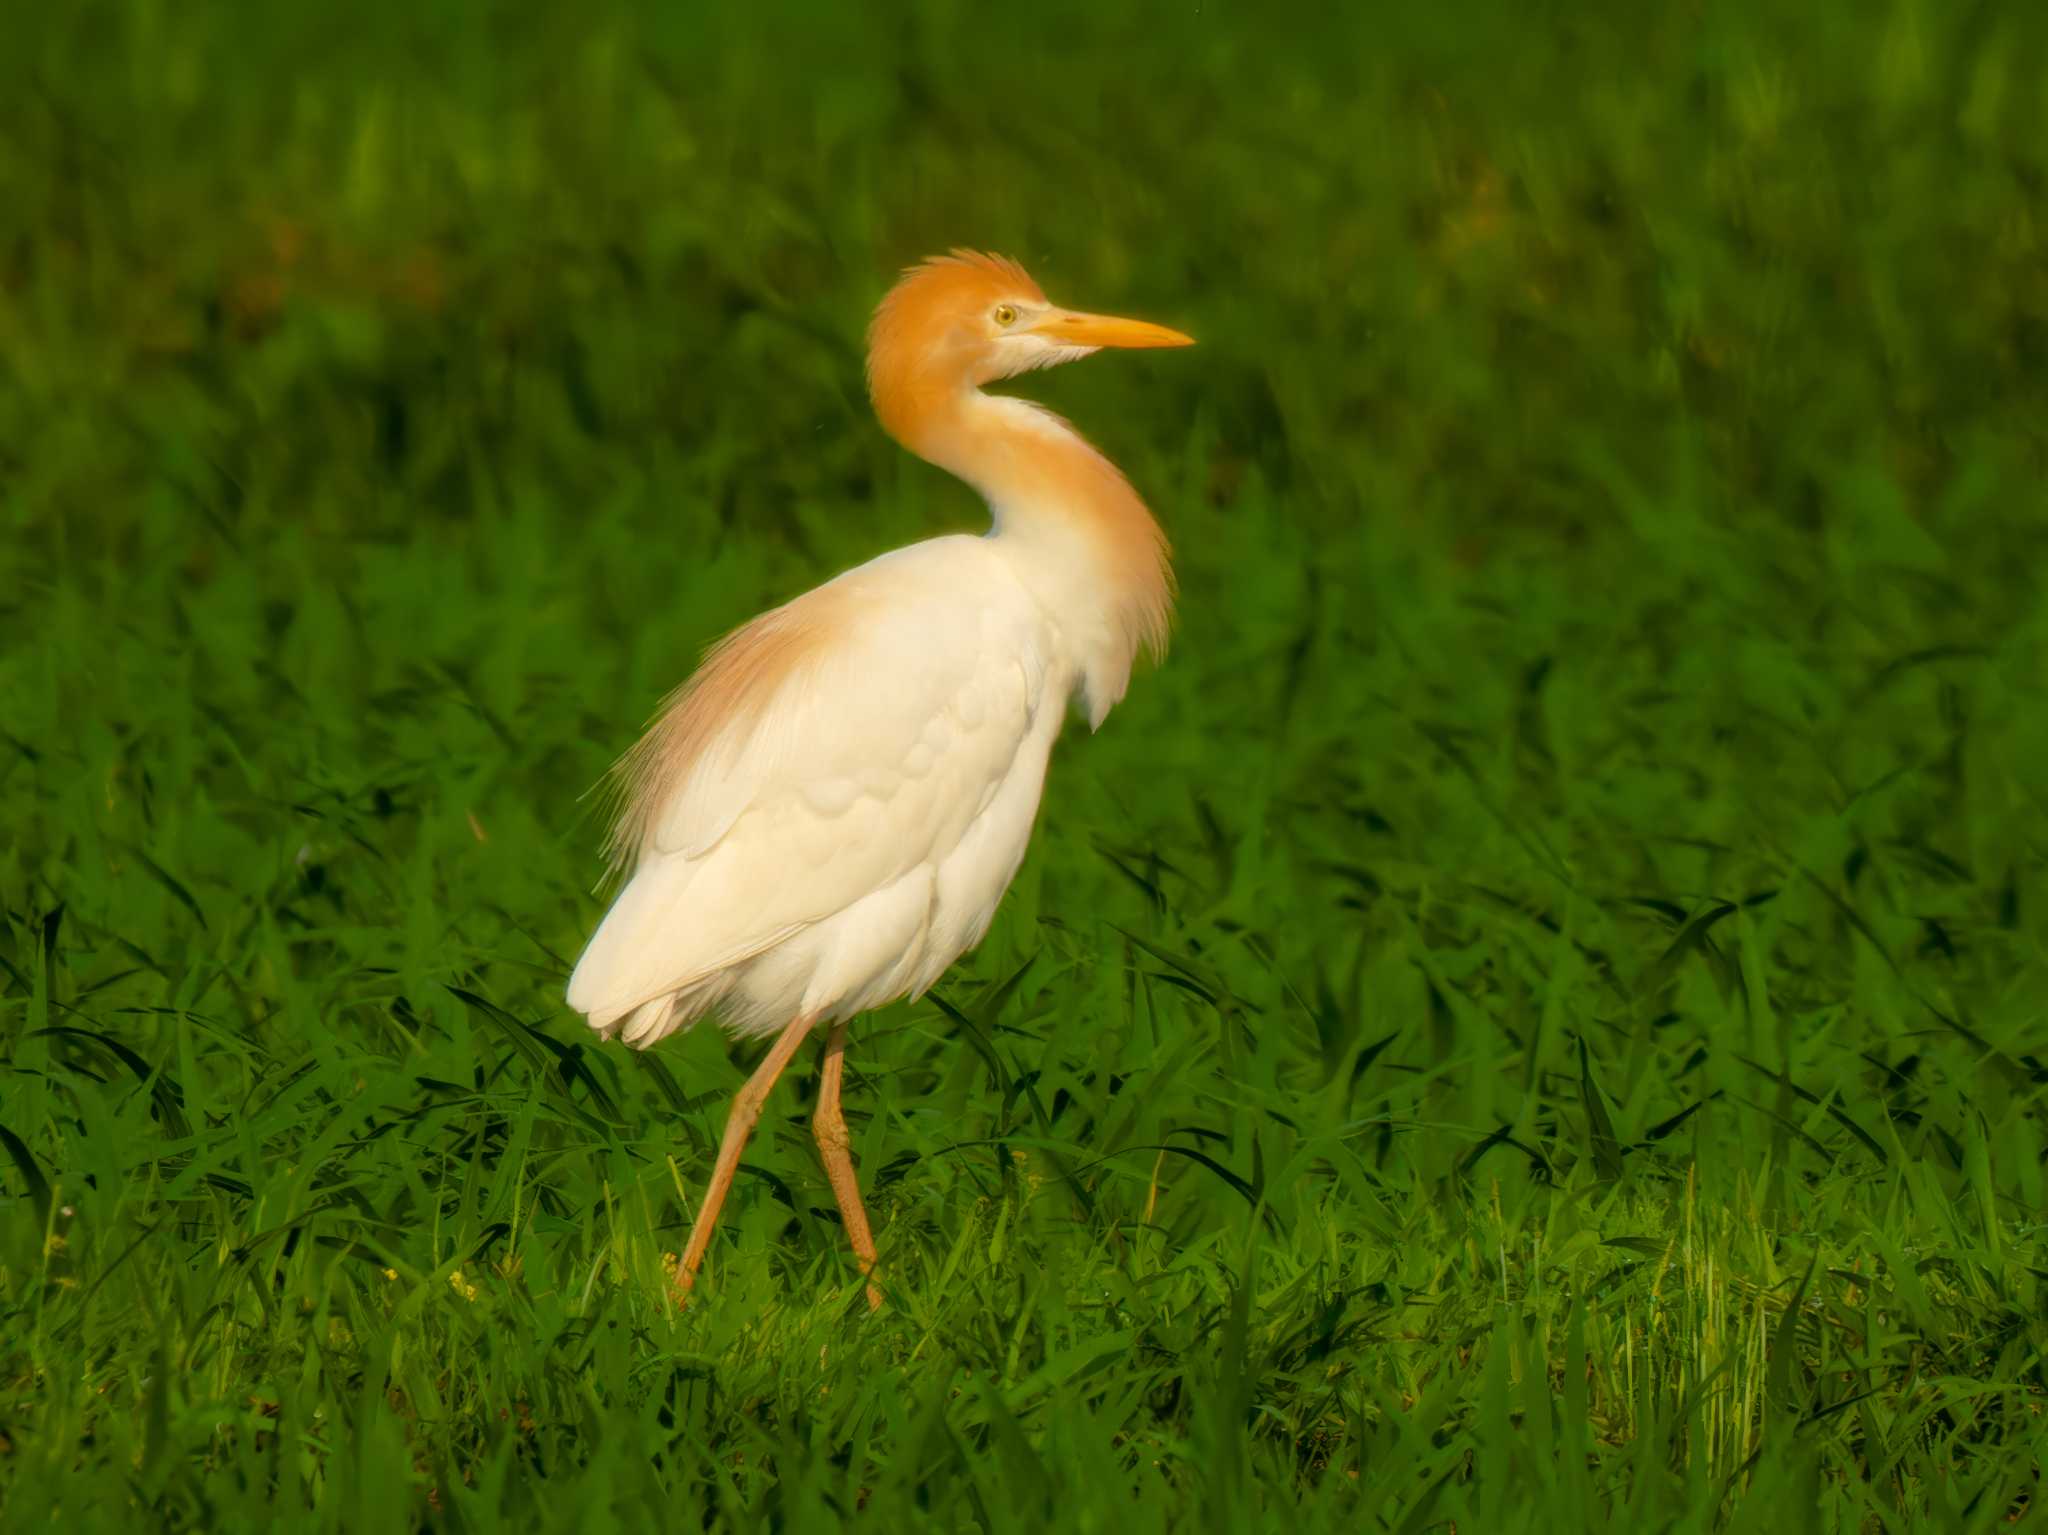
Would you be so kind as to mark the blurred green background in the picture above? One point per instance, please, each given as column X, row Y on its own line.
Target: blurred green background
column 1532, row 1019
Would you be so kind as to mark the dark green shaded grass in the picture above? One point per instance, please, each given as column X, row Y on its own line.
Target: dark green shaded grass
column 1532, row 1020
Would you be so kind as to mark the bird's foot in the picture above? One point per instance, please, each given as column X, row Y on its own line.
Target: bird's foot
column 680, row 1280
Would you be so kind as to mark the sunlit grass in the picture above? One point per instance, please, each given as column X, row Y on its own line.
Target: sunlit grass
column 1531, row 1020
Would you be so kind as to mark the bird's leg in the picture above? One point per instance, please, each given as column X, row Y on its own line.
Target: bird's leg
column 739, row 1124
column 829, row 1125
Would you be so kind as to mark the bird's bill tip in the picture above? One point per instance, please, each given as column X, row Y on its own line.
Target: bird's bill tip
column 1075, row 329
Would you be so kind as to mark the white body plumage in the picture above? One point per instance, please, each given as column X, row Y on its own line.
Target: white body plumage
column 856, row 839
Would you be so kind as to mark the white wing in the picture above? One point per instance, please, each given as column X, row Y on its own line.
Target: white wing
column 833, row 747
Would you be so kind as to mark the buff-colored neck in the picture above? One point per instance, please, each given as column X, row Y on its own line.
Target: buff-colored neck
column 1056, row 498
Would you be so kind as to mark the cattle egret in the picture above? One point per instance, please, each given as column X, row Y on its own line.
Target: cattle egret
column 824, row 817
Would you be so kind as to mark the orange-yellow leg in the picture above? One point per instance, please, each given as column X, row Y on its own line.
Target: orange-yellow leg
column 829, row 1125
column 739, row 1124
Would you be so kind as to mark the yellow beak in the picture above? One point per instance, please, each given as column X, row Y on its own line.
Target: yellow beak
column 1071, row 328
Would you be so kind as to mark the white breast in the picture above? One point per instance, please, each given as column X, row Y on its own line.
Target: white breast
column 857, row 839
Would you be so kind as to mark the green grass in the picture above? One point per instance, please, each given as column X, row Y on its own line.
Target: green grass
column 1532, row 1020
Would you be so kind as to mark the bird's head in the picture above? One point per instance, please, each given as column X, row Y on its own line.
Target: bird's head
column 956, row 322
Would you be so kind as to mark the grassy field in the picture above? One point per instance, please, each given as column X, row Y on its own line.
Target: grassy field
column 1534, row 1019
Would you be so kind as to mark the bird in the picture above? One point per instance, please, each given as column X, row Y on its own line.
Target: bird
column 826, row 814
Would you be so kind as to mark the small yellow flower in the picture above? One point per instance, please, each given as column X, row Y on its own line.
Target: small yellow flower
column 461, row 1286
column 391, row 1274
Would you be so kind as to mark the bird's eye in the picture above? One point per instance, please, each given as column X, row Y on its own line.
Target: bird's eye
column 1006, row 314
